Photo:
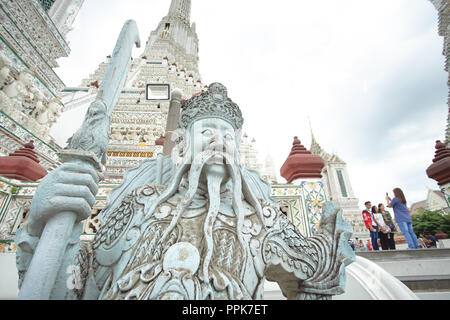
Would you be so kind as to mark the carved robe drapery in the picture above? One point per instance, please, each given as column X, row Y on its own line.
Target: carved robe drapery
column 126, row 260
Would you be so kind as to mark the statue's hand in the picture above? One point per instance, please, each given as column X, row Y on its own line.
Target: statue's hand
column 71, row 187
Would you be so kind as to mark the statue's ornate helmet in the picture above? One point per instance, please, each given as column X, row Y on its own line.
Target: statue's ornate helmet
column 213, row 103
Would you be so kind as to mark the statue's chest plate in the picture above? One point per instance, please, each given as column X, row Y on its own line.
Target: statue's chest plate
column 170, row 263
column 158, row 250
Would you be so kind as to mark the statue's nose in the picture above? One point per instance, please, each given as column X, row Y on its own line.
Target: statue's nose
column 218, row 139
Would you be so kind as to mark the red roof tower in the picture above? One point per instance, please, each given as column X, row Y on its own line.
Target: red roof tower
column 440, row 169
column 22, row 165
column 301, row 164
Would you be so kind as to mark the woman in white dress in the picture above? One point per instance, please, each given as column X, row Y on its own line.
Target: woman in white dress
column 383, row 227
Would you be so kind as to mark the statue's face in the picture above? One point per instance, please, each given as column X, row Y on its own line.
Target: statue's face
column 215, row 134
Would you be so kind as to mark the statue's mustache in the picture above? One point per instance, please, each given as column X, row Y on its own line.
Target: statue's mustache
column 214, row 154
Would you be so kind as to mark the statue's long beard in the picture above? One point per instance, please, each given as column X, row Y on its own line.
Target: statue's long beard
column 214, row 182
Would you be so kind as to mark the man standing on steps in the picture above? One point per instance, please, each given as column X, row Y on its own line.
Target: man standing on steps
column 371, row 225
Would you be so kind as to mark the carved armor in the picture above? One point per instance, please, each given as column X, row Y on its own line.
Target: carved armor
column 128, row 253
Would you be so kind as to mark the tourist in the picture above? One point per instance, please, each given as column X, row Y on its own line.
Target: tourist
column 361, row 245
column 403, row 217
column 351, row 244
column 421, row 241
column 430, row 240
column 383, row 229
column 371, row 225
column 369, row 245
column 388, row 220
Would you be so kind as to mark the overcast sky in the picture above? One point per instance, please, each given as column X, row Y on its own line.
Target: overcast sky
column 368, row 74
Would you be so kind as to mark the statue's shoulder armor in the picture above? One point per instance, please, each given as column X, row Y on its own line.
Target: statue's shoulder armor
column 271, row 213
column 117, row 233
column 150, row 172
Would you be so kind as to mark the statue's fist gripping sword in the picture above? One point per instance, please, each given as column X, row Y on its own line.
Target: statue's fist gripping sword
column 87, row 148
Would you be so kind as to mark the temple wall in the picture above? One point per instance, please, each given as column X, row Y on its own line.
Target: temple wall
column 304, row 201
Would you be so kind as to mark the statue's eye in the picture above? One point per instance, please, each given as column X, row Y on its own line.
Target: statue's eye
column 229, row 137
column 207, row 133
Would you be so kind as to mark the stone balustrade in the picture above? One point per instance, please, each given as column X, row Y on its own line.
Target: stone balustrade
column 424, row 271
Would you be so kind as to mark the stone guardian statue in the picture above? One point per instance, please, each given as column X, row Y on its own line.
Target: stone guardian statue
column 194, row 225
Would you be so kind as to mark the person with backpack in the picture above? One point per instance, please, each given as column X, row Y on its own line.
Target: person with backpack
column 383, row 229
column 388, row 220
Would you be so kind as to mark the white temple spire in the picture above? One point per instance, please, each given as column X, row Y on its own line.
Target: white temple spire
column 180, row 9
column 315, row 147
column 175, row 40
